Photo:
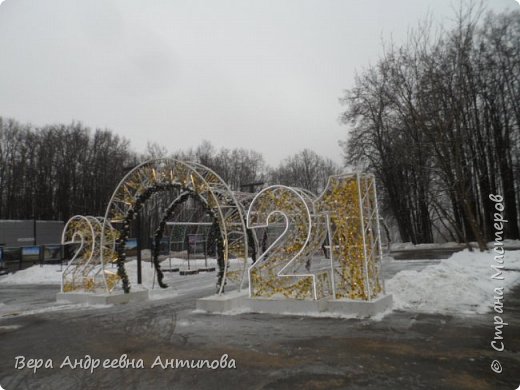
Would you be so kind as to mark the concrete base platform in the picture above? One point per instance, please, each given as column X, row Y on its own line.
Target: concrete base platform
column 222, row 303
column 240, row 302
column 102, row 298
column 170, row 270
column 285, row 306
column 189, row 272
column 209, row 269
column 360, row 308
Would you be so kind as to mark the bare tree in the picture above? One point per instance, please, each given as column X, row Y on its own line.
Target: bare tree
column 437, row 121
column 305, row 169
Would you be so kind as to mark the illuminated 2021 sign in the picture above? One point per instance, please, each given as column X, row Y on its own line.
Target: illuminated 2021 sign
column 343, row 220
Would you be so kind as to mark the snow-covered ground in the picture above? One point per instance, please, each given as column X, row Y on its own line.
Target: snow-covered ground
column 461, row 284
column 50, row 273
column 178, row 285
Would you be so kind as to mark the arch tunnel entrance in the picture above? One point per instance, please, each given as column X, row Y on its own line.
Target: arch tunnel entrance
column 192, row 180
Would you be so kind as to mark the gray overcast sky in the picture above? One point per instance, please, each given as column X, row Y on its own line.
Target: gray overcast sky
column 264, row 75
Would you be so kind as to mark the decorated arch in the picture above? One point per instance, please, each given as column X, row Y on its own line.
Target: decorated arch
column 153, row 176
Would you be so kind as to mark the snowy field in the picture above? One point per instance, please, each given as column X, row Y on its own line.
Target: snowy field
column 461, row 284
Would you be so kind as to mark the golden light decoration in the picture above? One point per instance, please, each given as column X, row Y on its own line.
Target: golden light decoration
column 350, row 201
column 280, row 270
column 347, row 210
column 154, row 175
column 84, row 270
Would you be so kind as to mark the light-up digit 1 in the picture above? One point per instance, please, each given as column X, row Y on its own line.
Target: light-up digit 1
column 350, row 202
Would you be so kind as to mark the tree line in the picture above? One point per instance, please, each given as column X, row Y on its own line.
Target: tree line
column 57, row 171
column 438, row 122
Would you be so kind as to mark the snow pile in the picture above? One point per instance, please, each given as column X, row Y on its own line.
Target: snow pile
column 51, row 274
column 48, row 274
column 460, row 284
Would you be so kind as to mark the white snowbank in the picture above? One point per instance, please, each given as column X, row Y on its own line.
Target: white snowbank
column 460, row 284
column 48, row 274
column 398, row 246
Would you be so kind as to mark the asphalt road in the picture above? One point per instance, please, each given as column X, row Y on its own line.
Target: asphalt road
column 402, row 351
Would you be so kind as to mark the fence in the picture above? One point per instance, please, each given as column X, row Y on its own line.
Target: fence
column 15, row 258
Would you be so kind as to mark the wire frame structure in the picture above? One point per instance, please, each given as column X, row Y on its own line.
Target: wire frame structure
column 162, row 174
column 183, row 218
column 85, row 271
column 350, row 203
column 347, row 210
column 280, row 270
column 183, row 207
